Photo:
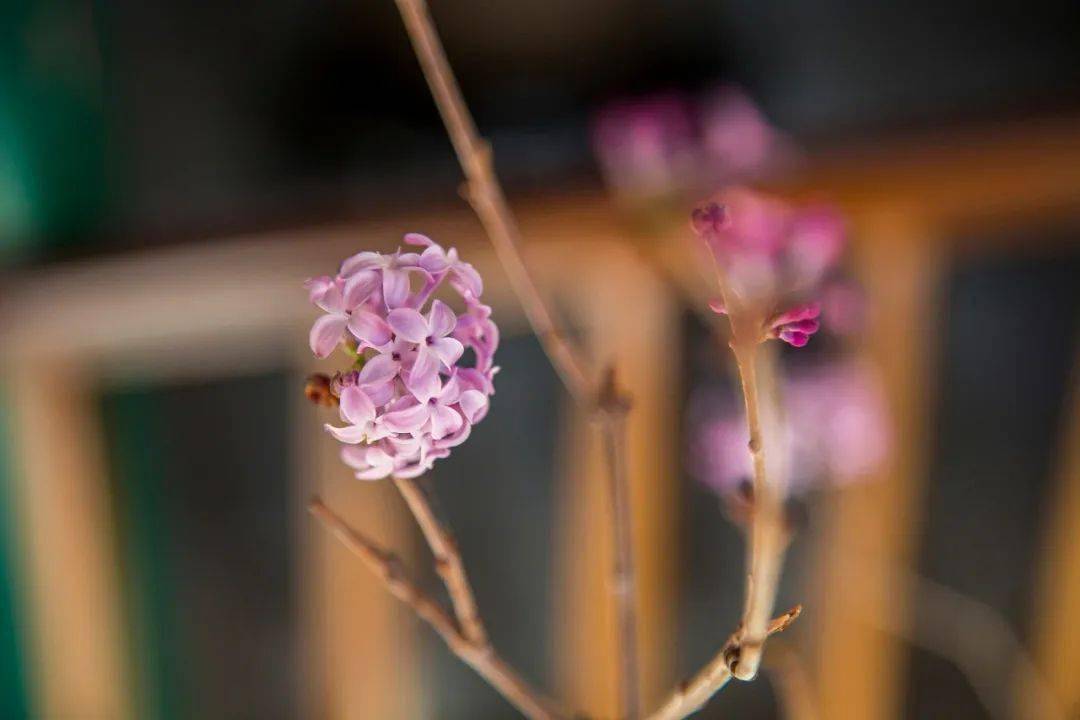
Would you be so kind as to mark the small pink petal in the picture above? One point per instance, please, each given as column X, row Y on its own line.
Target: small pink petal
column 378, row 369
column 452, row 440
column 369, row 328
column 326, row 333
column 408, row 324
column 447, row 349
column 354, row 456
column 423, row 380
column 359, row 287
column 351, row 434
column 808, row 326
column 356, row 406
column 317, row 287
column 331, row 300
column 451, row 391
column 412, row 470
column 797, row 313
column 395, row 287
column 433, row 259
column 794, row 337
column 418, row 239
column 441, row 319
column 407, row 419
column 380, row 393
column 444, row 421
column 474, row 405
column 360, row 261
column 468, row 279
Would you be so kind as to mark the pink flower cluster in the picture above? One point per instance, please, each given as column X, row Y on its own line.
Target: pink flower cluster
column 836, row 430
column 772, row 255
column 411, row 399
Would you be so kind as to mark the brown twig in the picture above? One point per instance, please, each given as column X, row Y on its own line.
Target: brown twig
column 614, row 407
column 691, row 695
column 485, row 194
column 768, row 535
column 448, row 562
column 481, row 658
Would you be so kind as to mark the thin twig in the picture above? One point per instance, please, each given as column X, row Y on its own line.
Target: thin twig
column 481, row 658
column 691, row 695
column 622, row 575
column 448, row 562
column 485, row 194
column 768, row 534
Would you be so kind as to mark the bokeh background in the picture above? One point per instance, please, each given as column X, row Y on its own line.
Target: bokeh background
column 170, row 172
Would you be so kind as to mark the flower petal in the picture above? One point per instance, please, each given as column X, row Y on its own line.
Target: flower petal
column 474, row 405
column 355, row 456
column 423, row 380
column 326, row 334
column 361, row 261
column 433, row 259
column 407, row 419
column 378, row 369
column 444, row 421
column 331, row 299
column 412, row 470
column 794, row 337
column 395, row 287
column 799, row 312
column 468, row 279
column 356, row 406
column 441, row 319
column 408, row 324
column 317, row 287
column 418, row 239
column 376, row 472
column 380, row 393
column 351, row 434
column 359, row 287
column 452, row 440
column 369, row 328
column 447, row 349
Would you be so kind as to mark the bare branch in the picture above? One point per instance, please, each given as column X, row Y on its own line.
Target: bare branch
column 448, row 562
column 485, row 194
column 481, row 658
column 691, row 695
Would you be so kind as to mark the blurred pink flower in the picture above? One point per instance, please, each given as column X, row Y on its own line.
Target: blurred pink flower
column 667, row 143
column 836, row 430
column 773, row 255
column 647, row 147
column 738, row 141
column 412, row 399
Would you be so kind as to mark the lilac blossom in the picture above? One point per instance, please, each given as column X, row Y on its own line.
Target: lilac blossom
column 835, row 430
column 772, row 257
column 410, row 396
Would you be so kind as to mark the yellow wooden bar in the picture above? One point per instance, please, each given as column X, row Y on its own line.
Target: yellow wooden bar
column 71, row 592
